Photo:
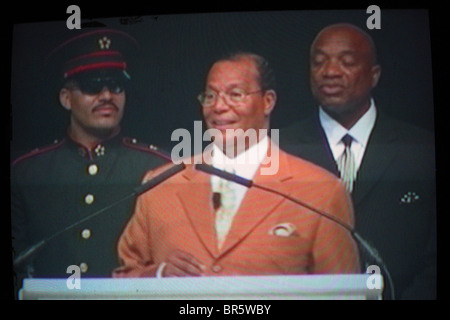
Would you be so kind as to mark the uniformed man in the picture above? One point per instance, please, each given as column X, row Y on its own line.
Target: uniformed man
column 87, row 170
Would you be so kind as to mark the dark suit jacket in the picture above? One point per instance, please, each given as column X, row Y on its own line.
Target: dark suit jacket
column 394, row 196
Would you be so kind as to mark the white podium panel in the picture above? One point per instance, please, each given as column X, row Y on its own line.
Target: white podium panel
column 226, row 288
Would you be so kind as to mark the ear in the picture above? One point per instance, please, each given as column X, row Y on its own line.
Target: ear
column 65, row 98
column 270, row 99
column 376, row 73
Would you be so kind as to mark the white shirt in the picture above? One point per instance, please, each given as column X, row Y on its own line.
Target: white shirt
column 360, row 132
column 244, row 165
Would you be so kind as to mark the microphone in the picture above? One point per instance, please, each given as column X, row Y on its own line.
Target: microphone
column 153, row 182
column 217, row 200
column 249, row 183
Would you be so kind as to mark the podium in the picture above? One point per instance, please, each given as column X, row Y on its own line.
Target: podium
column 224, row 288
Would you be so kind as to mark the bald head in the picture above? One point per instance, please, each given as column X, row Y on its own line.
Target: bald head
column 347, row 30
column 343, row 71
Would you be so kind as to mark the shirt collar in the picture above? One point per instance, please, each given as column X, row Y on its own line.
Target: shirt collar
column 360, row 131
column 246, row 163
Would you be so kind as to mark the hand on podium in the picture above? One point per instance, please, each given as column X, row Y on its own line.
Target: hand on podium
column 181, row 264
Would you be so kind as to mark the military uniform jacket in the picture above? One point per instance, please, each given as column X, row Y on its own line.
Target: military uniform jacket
column 394, row 196
column 53, row 187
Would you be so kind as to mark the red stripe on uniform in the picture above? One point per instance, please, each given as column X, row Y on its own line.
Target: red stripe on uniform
column 103, row 53
column 94, row 66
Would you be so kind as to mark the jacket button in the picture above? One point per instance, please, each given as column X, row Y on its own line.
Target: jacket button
column 83, row 267
column 93, row 169
column 89, row 199
column 86, row 233
column 216, row 268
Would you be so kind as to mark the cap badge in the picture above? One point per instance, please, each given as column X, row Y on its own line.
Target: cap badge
column 104, row 43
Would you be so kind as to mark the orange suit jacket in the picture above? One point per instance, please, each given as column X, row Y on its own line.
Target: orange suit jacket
column 179, row 214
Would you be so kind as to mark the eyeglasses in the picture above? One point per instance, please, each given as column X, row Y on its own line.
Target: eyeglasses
column 231, row 97
column 96, row 85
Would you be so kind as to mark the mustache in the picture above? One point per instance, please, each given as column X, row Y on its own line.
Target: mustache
column 105, row 104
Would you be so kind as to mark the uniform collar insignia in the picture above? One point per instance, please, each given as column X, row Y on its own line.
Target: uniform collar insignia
column 99, row 150
column 409, row 197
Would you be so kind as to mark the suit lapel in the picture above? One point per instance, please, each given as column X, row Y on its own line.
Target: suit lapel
column 311, row 144
column 379, row 154
column 195, row 197
column 253, row 210
column 196, row 194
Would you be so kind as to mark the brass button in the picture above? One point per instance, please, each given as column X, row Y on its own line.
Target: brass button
column 86, row 233
column 216, row 268
column 83, row 267
column 93, row 169
column 89, row 199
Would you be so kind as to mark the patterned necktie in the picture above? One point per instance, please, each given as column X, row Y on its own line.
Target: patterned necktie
column 224, row 215
column 346, row 164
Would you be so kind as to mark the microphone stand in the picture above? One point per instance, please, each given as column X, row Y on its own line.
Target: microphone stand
column 367, row 248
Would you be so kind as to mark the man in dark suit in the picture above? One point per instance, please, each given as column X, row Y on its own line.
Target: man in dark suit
column 388, row 166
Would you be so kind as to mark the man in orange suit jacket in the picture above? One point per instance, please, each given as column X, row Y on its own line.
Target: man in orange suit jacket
column 176, row 230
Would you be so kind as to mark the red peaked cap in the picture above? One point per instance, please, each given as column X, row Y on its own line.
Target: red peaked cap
column 94, row 50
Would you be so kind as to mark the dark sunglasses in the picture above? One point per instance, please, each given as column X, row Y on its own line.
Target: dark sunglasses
column 96, row 85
